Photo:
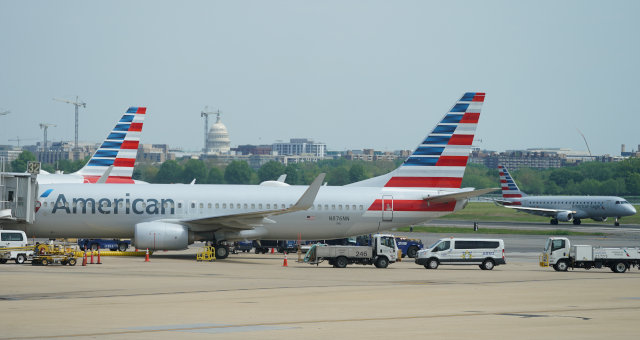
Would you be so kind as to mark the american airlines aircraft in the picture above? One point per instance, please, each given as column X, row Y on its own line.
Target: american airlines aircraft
column 563, row 208
column 172, row 216
column 117, row 154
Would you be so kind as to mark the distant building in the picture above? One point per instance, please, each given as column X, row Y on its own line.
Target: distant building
column 154, row 153
column 254, row 150
column 370, row 155
column 300, row 146
column 218, row 141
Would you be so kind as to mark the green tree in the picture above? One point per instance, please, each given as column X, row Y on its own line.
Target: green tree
column 357, row 173
column 194, row 169
column 215, row 176
column 293, row 173
column 338, row 176
column 20, row 164
column 270, row 171
column 238, row 172
column 170, row 172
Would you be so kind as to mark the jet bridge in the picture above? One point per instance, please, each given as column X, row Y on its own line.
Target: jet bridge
column 18, row 197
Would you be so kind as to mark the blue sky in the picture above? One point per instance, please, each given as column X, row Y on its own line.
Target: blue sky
column 352, row 74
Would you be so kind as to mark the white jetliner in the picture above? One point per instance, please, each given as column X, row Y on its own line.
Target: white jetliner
column 172, row 216
column 563, row 208
column 119, row 150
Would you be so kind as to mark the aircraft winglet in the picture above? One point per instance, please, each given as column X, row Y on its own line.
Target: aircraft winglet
column 306, row 200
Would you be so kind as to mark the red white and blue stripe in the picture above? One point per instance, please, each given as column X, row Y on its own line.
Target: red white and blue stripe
column 119, row 149
column 508, row 185
column 441, row 159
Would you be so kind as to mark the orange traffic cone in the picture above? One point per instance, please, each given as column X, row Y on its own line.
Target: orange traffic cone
column 99, row 255
column 272, row 251
column 84, row 258
column 146, row 257
column 285, row 260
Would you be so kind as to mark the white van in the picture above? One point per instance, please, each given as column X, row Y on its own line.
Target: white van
column 486, row 253
column 14, row 239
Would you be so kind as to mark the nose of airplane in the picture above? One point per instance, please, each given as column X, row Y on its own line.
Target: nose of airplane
column 632, row 210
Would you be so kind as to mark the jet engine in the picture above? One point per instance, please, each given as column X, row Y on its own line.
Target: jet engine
column 564, row 216
column 162, row 236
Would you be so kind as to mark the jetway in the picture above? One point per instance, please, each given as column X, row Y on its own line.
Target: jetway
column 18, row 197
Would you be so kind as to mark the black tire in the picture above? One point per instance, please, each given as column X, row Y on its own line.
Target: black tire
column 481, row 266
column 382, row 262
column 617, row 224
column 3, row 261
column 94, row 246
column 619, row 267
column 123, row 246
column 432, row 264
column 488, row 264
column 341, row 262
column 21, row 258
column 561, row 266
column 553, row 221
column 576, row 221
column 72, row 262
column 412, row 251
column 44, row 262
column 222, row 252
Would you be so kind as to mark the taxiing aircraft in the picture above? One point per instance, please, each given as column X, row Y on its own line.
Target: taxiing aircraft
column 117, row 154
column 172, row 216
column 563, row 208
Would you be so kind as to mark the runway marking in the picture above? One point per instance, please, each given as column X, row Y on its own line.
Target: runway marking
column 291, row 324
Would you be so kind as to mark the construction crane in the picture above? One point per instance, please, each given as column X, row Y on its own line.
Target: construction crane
column 77, row 104
column 206, row 114
column 5, row 113
column 45, row 126
column 18, row 139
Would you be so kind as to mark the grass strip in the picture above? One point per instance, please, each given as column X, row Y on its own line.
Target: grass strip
column 469, row 230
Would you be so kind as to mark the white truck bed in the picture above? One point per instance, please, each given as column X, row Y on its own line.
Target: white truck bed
column 590, row 253
column 347, row 251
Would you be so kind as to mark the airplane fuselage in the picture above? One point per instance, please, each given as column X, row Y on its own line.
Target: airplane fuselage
column 103, row 210
column 594, row 207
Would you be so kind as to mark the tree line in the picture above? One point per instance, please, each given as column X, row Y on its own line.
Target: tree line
column 589, row 178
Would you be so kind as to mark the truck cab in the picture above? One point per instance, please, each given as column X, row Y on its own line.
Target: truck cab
column 556, row 253
column 385, row 245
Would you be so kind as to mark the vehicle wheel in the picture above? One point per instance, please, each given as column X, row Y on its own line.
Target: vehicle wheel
column 123, row 247
column 561, row 266
column 94, row 246
column 222, row 252
column 72, row 262
column 432, row 264
column 412, row 251
column 382, row 262
column 341, row 262
column 488, row 264
column 21, row 258
column 481, row 266
column 3, row 261
column 44, row 262
column 576, row 221
column 620, row 267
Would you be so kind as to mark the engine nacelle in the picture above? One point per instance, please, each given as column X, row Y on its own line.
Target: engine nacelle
column 162, row 236
column 564, row 216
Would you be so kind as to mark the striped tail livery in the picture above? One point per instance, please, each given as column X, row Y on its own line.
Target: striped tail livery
column 508, row 185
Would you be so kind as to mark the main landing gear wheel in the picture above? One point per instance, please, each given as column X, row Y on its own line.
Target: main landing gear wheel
column 554, row 221
column 222, row 252
column 576, row 221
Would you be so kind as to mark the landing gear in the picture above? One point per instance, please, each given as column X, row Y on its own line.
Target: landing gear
column 617, row 222
column 576, row 221
column 222, row 251
column 554, row 221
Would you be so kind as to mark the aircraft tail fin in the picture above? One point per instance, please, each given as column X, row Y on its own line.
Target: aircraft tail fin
column 119, row 150
column 441, row 158
column 509, row 187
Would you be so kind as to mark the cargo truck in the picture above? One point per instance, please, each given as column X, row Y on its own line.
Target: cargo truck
column 13, row 246
column 383, row 251
column 560, row 254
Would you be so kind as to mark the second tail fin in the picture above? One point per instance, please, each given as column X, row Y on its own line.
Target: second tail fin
column 509, row 187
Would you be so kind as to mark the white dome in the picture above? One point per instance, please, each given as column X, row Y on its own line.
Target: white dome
column 218, row 138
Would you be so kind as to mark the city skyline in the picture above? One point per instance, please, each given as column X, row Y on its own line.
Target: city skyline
column 361, row 74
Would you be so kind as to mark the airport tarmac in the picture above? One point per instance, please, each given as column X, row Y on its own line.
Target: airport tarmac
column 254, row 296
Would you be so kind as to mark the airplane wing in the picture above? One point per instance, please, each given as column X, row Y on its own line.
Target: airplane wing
column 250, row 220
column 540, row 211
column 458, row 195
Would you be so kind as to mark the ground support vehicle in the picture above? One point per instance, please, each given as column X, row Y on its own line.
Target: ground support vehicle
column 243, row 246
column 113, row 245
column 409, row 246
column 486, row 253
column 19, row 254
column 51, row 254
column 560, row 254
column 383, row 252
column 265, row 246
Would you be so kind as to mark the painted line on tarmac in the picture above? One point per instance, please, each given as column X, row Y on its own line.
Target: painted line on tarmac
column 294, row 324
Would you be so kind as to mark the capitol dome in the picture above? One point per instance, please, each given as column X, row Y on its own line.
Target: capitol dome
column 218, row 141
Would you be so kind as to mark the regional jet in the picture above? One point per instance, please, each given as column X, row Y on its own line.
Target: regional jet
column 117, row 154
column 172, row 216
column 563, row 208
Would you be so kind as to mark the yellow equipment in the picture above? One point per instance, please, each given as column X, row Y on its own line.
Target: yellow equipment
column 208, row 254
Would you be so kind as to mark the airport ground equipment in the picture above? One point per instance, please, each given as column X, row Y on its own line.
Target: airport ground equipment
column 13, row 246
column 409, row 246
column 486, row 253
column 53, row 254
column 113, row 245
column 560, row 254
column 383, row 251
column 207, row 254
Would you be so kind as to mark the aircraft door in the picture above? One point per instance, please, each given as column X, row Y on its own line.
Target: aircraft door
column 387, row 208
